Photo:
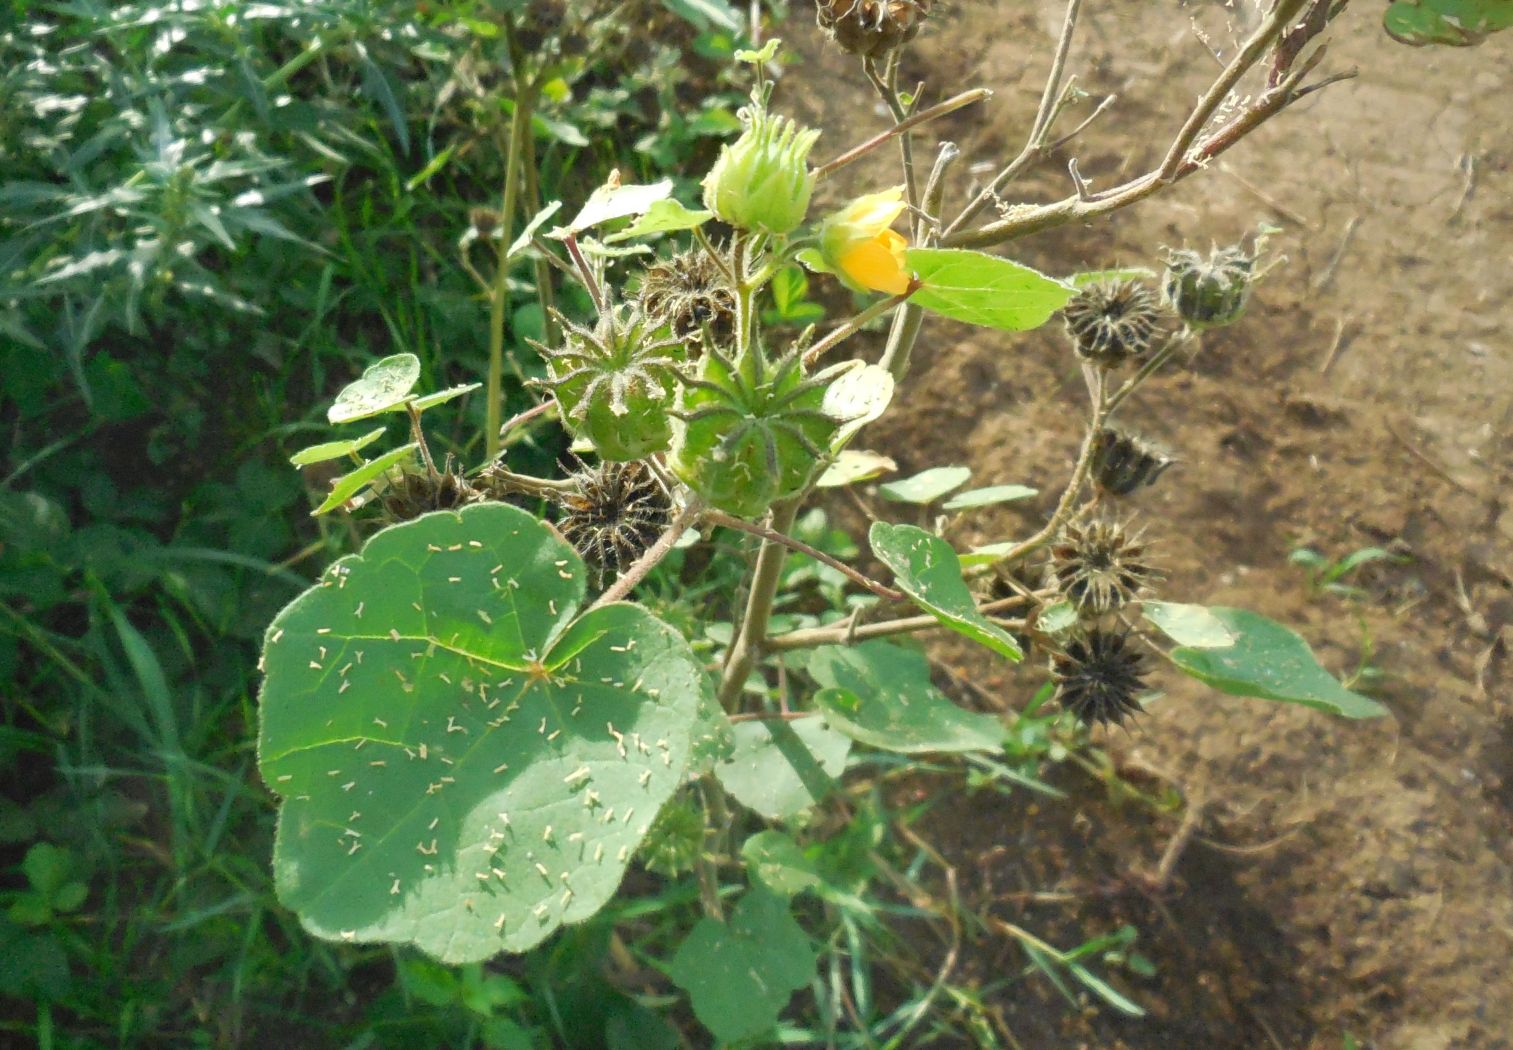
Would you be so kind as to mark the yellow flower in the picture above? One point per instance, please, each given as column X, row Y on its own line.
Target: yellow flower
column 858, row 247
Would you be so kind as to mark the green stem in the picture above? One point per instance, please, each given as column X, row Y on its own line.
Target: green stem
column 749, row 644
column 520, row 124
column 543, row 264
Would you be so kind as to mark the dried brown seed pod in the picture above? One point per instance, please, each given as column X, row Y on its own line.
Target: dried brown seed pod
column 1112, row 321
column 1122, row 462
column 689, row 294
column 871, row 27
column 613, row 514
column 1099, row 567
column 418, row 492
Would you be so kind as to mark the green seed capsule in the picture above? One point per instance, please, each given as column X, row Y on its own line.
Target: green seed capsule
column 750, row 432
column 1211, row 293
column 615, row 383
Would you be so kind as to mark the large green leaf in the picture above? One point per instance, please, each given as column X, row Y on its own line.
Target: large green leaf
column 880, row 694
column 741, row 973
column 464, row 765
column 384, row 385
column 1458, row 23
column 927, row 569
column 1273, row 662
column 985, row 289
column 779, row 769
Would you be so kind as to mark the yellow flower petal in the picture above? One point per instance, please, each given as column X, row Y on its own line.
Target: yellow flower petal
column 878, row 264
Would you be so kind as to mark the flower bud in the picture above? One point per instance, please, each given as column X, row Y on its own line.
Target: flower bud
column 762, row 181
column 1212, row 293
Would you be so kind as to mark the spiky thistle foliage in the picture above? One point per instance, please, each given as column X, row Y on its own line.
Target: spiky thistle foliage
column 614, row 512
column 415, row 493
column 871, row 27
column 1123, row 462
column 615, row 382
column 690, row 295
column 1099, row 675
column 1112, row 321
column 1099, row 566
column 750, row 431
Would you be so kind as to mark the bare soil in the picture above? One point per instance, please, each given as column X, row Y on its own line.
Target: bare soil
column 1340, row 877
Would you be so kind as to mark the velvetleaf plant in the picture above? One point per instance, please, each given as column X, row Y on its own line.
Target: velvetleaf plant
column 472, row 750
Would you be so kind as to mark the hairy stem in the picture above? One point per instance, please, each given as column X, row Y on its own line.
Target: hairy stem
column 854, row 324
column 654, row 554
column 731, row 522
column 1099, row 387
column 924, row 116
column 845, row 634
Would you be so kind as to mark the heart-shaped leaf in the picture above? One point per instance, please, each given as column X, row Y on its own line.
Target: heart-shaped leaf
column 384, row 385
column 741, row 973
column 779, row 769
column 614, row 201
column 441, row 397
column 464, row 765
column 880, row 694
column 927, row 569
column 778, row 863
column 851, row 466
column 1273, row 662
column 985, row 289
column 664, row 216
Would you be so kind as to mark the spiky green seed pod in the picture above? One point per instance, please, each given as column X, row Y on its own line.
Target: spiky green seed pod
column 1208, row 293
column 749, row 431
column 672, row 845
column 615, row 383
column 1111, row 322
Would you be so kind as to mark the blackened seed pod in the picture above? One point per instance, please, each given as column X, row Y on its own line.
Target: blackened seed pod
column 614, row 512
column 1212, row 292
column 1099, row 567
column 1111, row 322
column 871, row 27
column 1099, row 676
column 1122, row 462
